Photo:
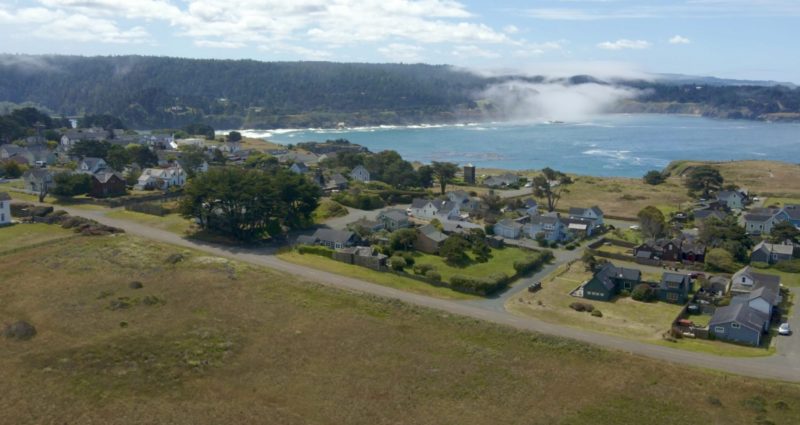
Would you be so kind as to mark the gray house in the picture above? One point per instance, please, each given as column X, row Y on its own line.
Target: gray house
column 330, row 238
column 508, row 228
column 548, row 225
column 394, row 219
column 359, row 173
column 593, row 216
column 739, row 323
column 760, row 221
column 502, row 180
column 746, row 280
column 38, row 179
column 771, row 253
column 733, row 199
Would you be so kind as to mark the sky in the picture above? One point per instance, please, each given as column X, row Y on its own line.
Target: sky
column 747, row 39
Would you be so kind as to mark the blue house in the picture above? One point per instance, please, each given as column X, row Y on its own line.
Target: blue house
column 508, row 228
column 739, row 323
column 674, row 288
column 609, row 281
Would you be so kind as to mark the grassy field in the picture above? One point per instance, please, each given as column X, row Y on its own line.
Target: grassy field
column 622, row 316
column 765, row 178
column 172, row 223
column 501, row 261
column 209, row 341
column 781, row 202
column 386, row 279
column 21, row 235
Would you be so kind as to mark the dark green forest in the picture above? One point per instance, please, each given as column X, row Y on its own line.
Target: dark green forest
column 160, row 92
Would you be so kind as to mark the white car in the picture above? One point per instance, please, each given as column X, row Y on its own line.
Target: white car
column 529, row 184
column 784, row 329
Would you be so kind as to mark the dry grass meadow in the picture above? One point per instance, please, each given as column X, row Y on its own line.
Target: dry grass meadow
column 210, row 341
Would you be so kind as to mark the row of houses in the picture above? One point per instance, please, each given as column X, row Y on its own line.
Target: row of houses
column 552, row 226
column 682, row 249
column 760, row 221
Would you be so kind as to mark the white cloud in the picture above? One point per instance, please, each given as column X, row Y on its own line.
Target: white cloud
column 398, row 52
column 624, row 43
column 218, row 44
column 60, row 25
column 510, row 29
column 472, row 51
column 679, row 40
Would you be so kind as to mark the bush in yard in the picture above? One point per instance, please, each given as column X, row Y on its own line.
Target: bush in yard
column 581, row 307
column 760, row 265
column 625, row 293
column 479, row 286
column 720, row 260
column 570, row 247
column 597, row 313
column 454, row 250
column 315, row 250
column 433, row 275
column 554, row 244
column 791, row 266
column 422, row 269
column 397, row 263
column 547, row 256
column 643, row 292
column 409, row 257
column 528, row 264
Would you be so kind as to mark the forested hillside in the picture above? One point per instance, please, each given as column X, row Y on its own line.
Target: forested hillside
column 152, row 92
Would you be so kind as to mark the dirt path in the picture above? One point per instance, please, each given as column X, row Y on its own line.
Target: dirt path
column 779, row 367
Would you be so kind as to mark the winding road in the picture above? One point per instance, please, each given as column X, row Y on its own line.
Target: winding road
column 783, row 366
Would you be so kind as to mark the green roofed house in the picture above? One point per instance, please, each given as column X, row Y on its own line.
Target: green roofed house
column 609, row 281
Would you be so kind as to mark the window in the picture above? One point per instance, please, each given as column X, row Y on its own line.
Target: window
column 672, row 296
column 719, row 330
column 736, row 325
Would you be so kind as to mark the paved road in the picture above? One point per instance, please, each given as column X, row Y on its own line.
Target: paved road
column 780, row 367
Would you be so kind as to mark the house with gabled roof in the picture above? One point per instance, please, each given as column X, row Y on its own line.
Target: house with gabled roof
column 733, row 199
column 760, row 221
column 609, row 281
column 502, row 180
column 549, row 225
column 792, row 211
column 771, row 253
column 440, row 209
column 38, row 179
column 674, row 288
column 429, row 239
column 508, row 228
column 90, row 165
column 593, row 216
column 107, row 184
column 739, row 323
column 360, row 174
column 763, row 299
column 394, row 219
column 330, row 238
column 747, row 279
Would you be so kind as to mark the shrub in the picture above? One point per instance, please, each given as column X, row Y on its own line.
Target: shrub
column 597, row 313
column 315, row 250
column 760, row 265
column 423, row 269
column 792, row 266
column 528, row 264
column 398, row 263
column 720, row 260
column 643, row 292
column 581, row 307
column 433, row 275
column 547, row 256
column 570, row 247
column 554, row 244
column 625, row 293
column 483, row 286
column 409, row 257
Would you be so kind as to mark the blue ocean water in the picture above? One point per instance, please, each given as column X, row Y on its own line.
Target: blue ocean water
column 611, row 145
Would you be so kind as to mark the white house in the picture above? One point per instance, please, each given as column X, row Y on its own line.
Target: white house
column 161, row 178
column 5, row 209
column 593, row 215
column 549, row 225
column 428, row 209
column 91, row 165
column 359, row 173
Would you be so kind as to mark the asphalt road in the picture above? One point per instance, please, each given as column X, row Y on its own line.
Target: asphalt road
column 784, row 366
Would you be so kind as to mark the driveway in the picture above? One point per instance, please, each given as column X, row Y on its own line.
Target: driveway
column 779, row 367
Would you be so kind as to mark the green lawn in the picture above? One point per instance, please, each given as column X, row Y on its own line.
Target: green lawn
column 501, row 261
column 172, row 223
column 328, row 209
column 386, row 279
column 21, row 235
column 781, row 201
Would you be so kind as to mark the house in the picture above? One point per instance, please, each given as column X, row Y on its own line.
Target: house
column 106, row 184
column 707, row 213
column 90, row 165
column 295, row 156
column 460, row 227
column 578, row 227
column 771, row 253
column 733, row 199
column 793, row 213
column 531, row 207
column 336, row 182
column 299, row 168
column 5, row 209
column 693, row 251
column 440, row 209
column 330, row 238
column 429, row 239
column 609, row 281
column 463, row 200
column 364, row 256
column 508, row 228
column 72, row 136
column 593, row 215
column 28, row 155
column 760, row 221
column 364, row 224
column 547, row 225
column 359, row 173
column 38, row 180
column 674, row 288
column 746, row 280
column 738, row 323
column 763, row 299
column 717, row 285
column 660, row 249
column 394, row 219
column 502, row 180
column 161, row 178
column 8, row 151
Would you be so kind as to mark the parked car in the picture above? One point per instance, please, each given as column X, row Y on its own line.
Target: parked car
column 634, row 227
column 694, row 309
column 529, row 184
column 697, row 275
column 784, row 329
column 535, row 287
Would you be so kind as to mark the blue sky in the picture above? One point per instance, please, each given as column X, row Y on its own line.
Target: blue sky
column 752, row 39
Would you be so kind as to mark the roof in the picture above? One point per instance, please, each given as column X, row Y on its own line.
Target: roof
column 91, row 161
column 703, row 214
column 419, row 202
column 394, row 214
column 759, row 279
column 729, row 194
column 507, row 222
column 37, row 173
column 793, row 211
column 431, row 232
column 761, row 214
column 549, row 218
column 609, row 272
column 530, row 203
column 332, row 235
column 775, row 248
column 768, row 294
column 669, row 279
column 740, row 313
column 105, row 176
column 306, row 239
column 11, row 149
column 4, row 196
column 582, row 211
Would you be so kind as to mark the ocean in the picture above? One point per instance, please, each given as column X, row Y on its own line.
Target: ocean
column 610, row 145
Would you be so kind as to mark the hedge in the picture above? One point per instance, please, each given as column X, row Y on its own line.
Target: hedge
column 315, row 250
column 791, row 266
column 480, row 286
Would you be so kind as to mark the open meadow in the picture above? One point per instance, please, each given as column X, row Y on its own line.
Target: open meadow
column 207, row 340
